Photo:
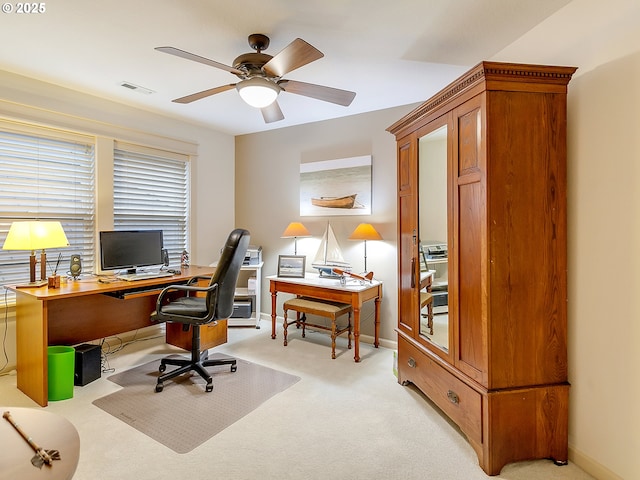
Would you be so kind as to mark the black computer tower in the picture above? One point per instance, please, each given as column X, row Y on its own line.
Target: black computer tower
column 88, row 364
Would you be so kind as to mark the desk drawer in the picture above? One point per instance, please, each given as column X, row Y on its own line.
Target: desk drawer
column 459, row 401
column 211, row 335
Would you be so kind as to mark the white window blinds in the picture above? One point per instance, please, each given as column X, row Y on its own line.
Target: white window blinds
column 48, row 175
column 151, row 191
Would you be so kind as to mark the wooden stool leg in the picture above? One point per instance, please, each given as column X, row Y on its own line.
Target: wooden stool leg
column 284, row 328
column 349, row 332
column 333, row 338
column 303, row 319
column 430, row 317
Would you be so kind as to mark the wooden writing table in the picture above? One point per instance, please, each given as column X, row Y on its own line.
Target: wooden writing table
column 77, row 312
column 353, row 293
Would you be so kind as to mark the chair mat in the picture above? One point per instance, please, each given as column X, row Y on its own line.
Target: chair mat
column 183, row 415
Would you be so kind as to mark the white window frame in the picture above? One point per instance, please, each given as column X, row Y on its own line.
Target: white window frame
column 46, row 174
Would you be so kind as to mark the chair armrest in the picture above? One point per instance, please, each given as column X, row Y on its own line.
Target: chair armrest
column 199, row 277
column 186, row 288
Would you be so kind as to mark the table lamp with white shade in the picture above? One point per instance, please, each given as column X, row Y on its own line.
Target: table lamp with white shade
column 35, row 235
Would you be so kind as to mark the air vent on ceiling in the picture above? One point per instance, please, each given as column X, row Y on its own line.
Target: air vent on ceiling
column 137, row 88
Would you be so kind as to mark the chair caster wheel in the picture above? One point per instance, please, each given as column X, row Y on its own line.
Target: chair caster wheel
column 234, row 368
column 162, row 367
column 159, row 387
column 209, row 387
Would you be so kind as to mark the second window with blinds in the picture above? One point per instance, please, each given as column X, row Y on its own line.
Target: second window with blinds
column 150, row 192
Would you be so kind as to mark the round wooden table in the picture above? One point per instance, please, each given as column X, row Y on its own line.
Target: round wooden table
column 47, row 430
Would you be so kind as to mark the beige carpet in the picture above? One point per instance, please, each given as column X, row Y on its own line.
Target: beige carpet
column 342, row 421
column 183, row 415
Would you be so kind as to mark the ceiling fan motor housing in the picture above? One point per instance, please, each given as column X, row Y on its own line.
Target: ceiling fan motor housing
column 252, row 63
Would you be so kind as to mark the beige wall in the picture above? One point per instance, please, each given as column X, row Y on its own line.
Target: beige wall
column 604, row 266
column 27, row 99
column 267, row 198
column 604, row 231
column 604, row 227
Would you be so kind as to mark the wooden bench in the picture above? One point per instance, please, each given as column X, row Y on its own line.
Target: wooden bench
column 313, row 306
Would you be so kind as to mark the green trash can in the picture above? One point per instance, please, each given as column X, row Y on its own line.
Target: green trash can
column 61, row 372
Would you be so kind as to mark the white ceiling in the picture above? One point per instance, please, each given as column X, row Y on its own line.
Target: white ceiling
column 390, row 53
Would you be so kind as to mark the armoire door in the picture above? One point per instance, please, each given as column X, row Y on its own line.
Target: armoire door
column 407, row 231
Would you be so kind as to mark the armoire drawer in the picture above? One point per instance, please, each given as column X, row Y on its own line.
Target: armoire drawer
column 459, row 401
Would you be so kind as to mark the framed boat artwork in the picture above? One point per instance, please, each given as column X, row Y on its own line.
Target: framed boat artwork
column 336, row 187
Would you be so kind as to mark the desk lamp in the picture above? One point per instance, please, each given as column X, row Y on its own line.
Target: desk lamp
column 295, row 230
column 365, row 231
column 35, row 235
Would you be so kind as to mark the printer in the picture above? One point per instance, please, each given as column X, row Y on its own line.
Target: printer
column 253, row 255
column 435, row 250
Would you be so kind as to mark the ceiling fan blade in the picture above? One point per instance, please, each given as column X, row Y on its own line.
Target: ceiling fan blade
column 294, row 55
column 272, row 113
column 205, row 93
column 319, row 92
column 197, row 58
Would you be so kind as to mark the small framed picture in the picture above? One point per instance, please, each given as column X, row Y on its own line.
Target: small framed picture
column 291, row 266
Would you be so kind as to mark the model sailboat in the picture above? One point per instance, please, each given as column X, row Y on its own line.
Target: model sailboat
column 329, row 255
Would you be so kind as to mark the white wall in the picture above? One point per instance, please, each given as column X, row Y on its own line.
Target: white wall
column 267, row 198
column 602, row 39
column 604, row 222
column 212, row 188
column 604, row 234
column 604, row 267
column 213, row 166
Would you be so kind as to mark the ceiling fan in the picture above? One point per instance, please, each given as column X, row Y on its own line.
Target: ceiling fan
column 261, row 75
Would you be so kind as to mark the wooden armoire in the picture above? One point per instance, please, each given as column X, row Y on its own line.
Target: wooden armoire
column 496, row 362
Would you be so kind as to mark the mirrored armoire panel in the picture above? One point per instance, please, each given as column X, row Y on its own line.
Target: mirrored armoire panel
column 433, row 237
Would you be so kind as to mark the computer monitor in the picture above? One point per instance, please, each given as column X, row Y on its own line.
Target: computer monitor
column 130, row 249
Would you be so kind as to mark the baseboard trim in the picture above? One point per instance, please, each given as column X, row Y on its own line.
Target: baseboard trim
column 589, row 465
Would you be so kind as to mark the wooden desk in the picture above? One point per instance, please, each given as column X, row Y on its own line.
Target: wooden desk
column 77, row 312
column 330, row 289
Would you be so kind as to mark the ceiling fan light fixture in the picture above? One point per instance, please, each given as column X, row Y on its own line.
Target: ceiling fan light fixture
column 258, row 92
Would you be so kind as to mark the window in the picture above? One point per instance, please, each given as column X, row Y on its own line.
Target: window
column 46, row 174
column 151, row 191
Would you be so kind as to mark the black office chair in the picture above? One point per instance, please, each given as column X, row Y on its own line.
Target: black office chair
column 192, row 311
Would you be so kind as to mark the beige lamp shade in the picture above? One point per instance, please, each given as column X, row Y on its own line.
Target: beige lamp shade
column 295, row 229
column 365, row 231
column 35, row 235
